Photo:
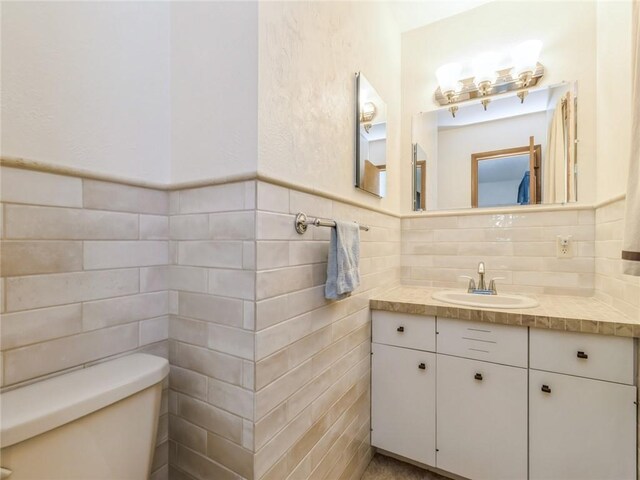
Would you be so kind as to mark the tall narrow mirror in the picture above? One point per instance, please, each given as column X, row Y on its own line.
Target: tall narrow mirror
column 371, row 139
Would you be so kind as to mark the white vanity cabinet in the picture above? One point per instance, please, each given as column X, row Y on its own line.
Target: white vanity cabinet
column 582, row 411
column 481, row 405
column 403, row 385
column 489, row 401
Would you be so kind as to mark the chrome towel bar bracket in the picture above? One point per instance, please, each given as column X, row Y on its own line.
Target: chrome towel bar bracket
column 302, row 222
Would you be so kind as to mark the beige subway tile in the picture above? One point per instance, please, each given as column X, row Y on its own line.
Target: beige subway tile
column 312, row 205
column 153, row 279
column 273, row 198
column 2, row 289
column 301, row 253
column 271, row 255
column 114, row 311
column 275, row 226
column 160, row 456
column 230, row 454
column 216, row 198
column 39, row 188
column 232, row 226
column 53, row 223
column 199, row 467
column 42, row 358
column 188, row 434
column 189, row 227
column 124, row 198
column 119, row 254
column 33, row 326
column 250, row 188
column 231, row 398
column 279, row 390
column 187, row 330
column 174, row 202
column 212, row 364
column 210, row 254
column 154, row 330
column 189, row 279
column 188, row 382
column 271, row 283
column 248, row 374
column 247, row 434
column 29, row 258
column 211, row 418
column 249, row 255
column 271, row 311
column 154, row 227
column 227, row 311
column 233, row 341
column 37, row 291
column 232, row 283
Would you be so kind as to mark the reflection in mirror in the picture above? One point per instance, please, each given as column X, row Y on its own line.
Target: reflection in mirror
column 419, row 177
column 511, row 154
column 371, row 139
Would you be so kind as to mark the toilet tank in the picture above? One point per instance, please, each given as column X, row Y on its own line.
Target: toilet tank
column 96, row 423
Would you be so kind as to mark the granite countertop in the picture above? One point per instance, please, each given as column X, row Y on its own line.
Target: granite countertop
column 556, row 312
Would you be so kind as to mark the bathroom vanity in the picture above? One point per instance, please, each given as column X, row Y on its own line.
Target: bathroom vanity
column 487, row 394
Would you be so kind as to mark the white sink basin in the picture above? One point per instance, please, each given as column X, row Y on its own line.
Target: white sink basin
column 487, row 301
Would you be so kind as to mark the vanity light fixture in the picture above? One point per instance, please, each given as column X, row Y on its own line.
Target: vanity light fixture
column 368, row 112
column 490, row 77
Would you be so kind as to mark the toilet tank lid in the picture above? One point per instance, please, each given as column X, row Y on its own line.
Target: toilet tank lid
column 42, row 406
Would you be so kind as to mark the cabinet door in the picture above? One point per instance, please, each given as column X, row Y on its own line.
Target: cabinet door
column 403, row 402
column 581, row 428
column 481, row 419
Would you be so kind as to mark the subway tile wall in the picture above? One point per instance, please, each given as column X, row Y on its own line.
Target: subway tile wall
column 83, row 277
column 612, row 286
column 212, row 275
column 313, row 356
column 520, row 247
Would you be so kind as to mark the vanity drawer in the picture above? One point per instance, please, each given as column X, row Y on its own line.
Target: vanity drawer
column 600, row 357
column 404, row 330
column 483, row 341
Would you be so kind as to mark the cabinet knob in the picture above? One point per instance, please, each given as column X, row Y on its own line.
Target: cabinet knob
column 546, row 389
column 478, row 376
column 582, row 355
column 400, row 329
column 422, row 366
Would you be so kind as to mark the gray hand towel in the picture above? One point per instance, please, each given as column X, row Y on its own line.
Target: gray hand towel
column 343, row 274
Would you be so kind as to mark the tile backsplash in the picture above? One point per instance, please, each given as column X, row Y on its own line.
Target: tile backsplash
column 520, row 247
column 268, row 379
column 83, row 276
column 612, row 286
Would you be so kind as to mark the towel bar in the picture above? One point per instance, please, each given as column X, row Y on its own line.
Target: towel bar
column 302, row 222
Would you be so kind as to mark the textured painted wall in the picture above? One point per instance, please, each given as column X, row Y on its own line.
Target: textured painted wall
column 214, row 89
column 86, row 85
column 309, row 53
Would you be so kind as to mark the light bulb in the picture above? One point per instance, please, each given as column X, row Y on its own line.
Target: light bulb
column 525, row 57
column 448, row 77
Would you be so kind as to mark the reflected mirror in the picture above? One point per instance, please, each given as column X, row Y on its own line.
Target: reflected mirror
column 371, row 139
column 514, row 153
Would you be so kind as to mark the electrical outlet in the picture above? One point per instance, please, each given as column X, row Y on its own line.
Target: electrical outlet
column 564, row 247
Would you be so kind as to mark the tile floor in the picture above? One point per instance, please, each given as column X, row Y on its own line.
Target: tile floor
column 386, row 468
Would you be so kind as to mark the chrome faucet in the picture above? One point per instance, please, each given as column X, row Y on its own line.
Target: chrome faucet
column 482, row 286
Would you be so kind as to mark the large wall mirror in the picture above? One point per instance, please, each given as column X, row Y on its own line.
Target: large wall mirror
column 371, row 139
column 513, row 153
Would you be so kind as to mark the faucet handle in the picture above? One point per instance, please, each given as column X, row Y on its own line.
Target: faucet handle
column 481, row 268
column 472, row 282
column 492, row 285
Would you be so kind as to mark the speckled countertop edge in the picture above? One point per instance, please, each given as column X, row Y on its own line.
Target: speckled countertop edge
column 551, row 314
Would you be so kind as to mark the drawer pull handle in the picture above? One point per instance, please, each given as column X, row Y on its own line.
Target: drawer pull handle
column 546, row 389
column 400, row 329
column 478, row 376
column 422, row 366
column 582, row 355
